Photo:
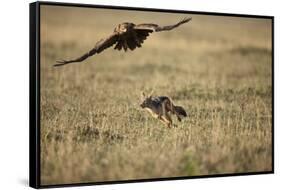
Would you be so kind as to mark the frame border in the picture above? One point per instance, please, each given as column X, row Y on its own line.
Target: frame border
column 34, row 93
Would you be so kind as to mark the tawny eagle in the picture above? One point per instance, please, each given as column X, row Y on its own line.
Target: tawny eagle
column 125, row 36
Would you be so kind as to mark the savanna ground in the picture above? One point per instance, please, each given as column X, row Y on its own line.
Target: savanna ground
column 92, row 128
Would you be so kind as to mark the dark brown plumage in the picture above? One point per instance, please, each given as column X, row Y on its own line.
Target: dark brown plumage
column 125, row 36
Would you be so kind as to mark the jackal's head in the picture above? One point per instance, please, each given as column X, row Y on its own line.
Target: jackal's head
column 146, row 100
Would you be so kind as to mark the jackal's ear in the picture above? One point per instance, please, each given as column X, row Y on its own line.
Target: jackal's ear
column 150, row 94
column 143, row 96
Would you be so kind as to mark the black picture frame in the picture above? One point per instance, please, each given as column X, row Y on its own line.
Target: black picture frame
column 34, row 93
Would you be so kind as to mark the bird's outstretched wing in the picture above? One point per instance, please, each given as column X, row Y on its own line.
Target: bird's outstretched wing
column 156, row 28
column 99, row 47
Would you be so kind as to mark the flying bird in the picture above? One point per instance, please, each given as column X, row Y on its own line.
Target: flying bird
column 125, row 36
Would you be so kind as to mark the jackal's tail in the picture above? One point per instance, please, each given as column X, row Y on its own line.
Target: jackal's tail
column 180, row 112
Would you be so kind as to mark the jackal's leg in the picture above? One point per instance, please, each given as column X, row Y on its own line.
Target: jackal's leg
column 168, row 120
column 163, row 106
column 164, row 116
column 164, row 121
column 170, row 105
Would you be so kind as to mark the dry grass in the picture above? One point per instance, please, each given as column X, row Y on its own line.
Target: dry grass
column 92, row 128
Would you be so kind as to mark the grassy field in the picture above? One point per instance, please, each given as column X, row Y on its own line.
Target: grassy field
column 93, row 129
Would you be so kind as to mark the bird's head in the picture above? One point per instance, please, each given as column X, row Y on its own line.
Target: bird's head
column 121, row 28
column 124, row 27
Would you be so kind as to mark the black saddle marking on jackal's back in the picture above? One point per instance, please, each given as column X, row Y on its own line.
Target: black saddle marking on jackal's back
column 158, row 100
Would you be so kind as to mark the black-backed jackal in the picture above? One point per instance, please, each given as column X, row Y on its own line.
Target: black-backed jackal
column 160, row 107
